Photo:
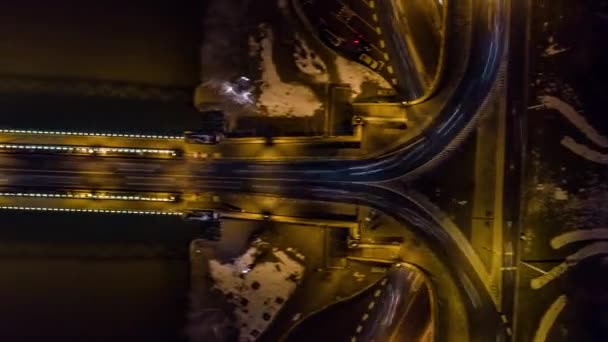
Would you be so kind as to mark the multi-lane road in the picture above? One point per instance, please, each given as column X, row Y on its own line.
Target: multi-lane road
column 43, row 171
column 474, row 63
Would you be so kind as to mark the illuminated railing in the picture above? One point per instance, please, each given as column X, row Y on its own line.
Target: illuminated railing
column 89, row 195
column 92, row 134
column 87, row 149
column 94, row 211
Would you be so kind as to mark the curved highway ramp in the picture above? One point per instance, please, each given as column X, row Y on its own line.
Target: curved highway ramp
column 399, row 307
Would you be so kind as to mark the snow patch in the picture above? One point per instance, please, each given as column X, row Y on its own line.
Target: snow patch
column 356, row 74
column 308, row 62
column 278, row 98
column 257, row 289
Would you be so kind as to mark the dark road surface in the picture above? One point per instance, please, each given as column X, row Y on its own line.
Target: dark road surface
column 398, row 307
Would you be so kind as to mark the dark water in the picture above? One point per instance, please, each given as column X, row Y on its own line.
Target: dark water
column 93, row 277
column 96, row 66
column 107, row 66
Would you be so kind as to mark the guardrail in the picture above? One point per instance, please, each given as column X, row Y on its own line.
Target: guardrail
column 88, row 149
column 91, row 134
column 96, row 211
column 91, row 195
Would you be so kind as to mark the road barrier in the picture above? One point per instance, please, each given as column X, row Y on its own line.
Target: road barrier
column 89, row 149
column 93, row 211
column 91, row 134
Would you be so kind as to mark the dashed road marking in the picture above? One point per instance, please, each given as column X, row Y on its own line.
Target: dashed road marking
column 378, row 30
column 371, row 3
column 382, row 45
column 353, row 339
column 390, row 69
column 371, row 305
column 364, row 317
column 377, row 293
column 359, row 329
column 386, row 56
column 383, row 282
column 375, row 17
column 394, row 81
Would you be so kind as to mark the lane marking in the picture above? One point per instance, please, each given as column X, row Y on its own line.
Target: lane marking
column 548, row 319
column 359, row 329
column 375, row 17
column 378, row 30
column 394, row 81
column 390, row 69
column 386, row 56
column 371, row 305
column 382, row 44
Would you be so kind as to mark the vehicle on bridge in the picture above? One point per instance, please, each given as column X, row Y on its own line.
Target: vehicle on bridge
column 199, row 137
column 201, row 215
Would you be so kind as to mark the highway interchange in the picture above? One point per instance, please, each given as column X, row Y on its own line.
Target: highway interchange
column 477, row 50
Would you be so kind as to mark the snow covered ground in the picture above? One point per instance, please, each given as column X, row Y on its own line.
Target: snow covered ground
column 278, row 98
column 257, row 289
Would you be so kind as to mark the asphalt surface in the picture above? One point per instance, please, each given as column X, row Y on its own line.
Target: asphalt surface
column 398, row 306
column 416, row 40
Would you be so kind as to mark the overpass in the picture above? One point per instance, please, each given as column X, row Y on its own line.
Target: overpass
column 227, row 168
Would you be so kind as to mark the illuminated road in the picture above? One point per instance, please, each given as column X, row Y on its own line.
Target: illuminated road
column 120, row 173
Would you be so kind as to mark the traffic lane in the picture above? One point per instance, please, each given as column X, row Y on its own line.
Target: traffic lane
column 97, row 204
column 404, row 307
column 90, row 164
column 72, row 180
column 412, row 82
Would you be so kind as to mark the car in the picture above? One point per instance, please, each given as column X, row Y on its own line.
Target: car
column 361, row 45
column 331, row 38
column 370, row 62
column 201, row 215
column 202, row 138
